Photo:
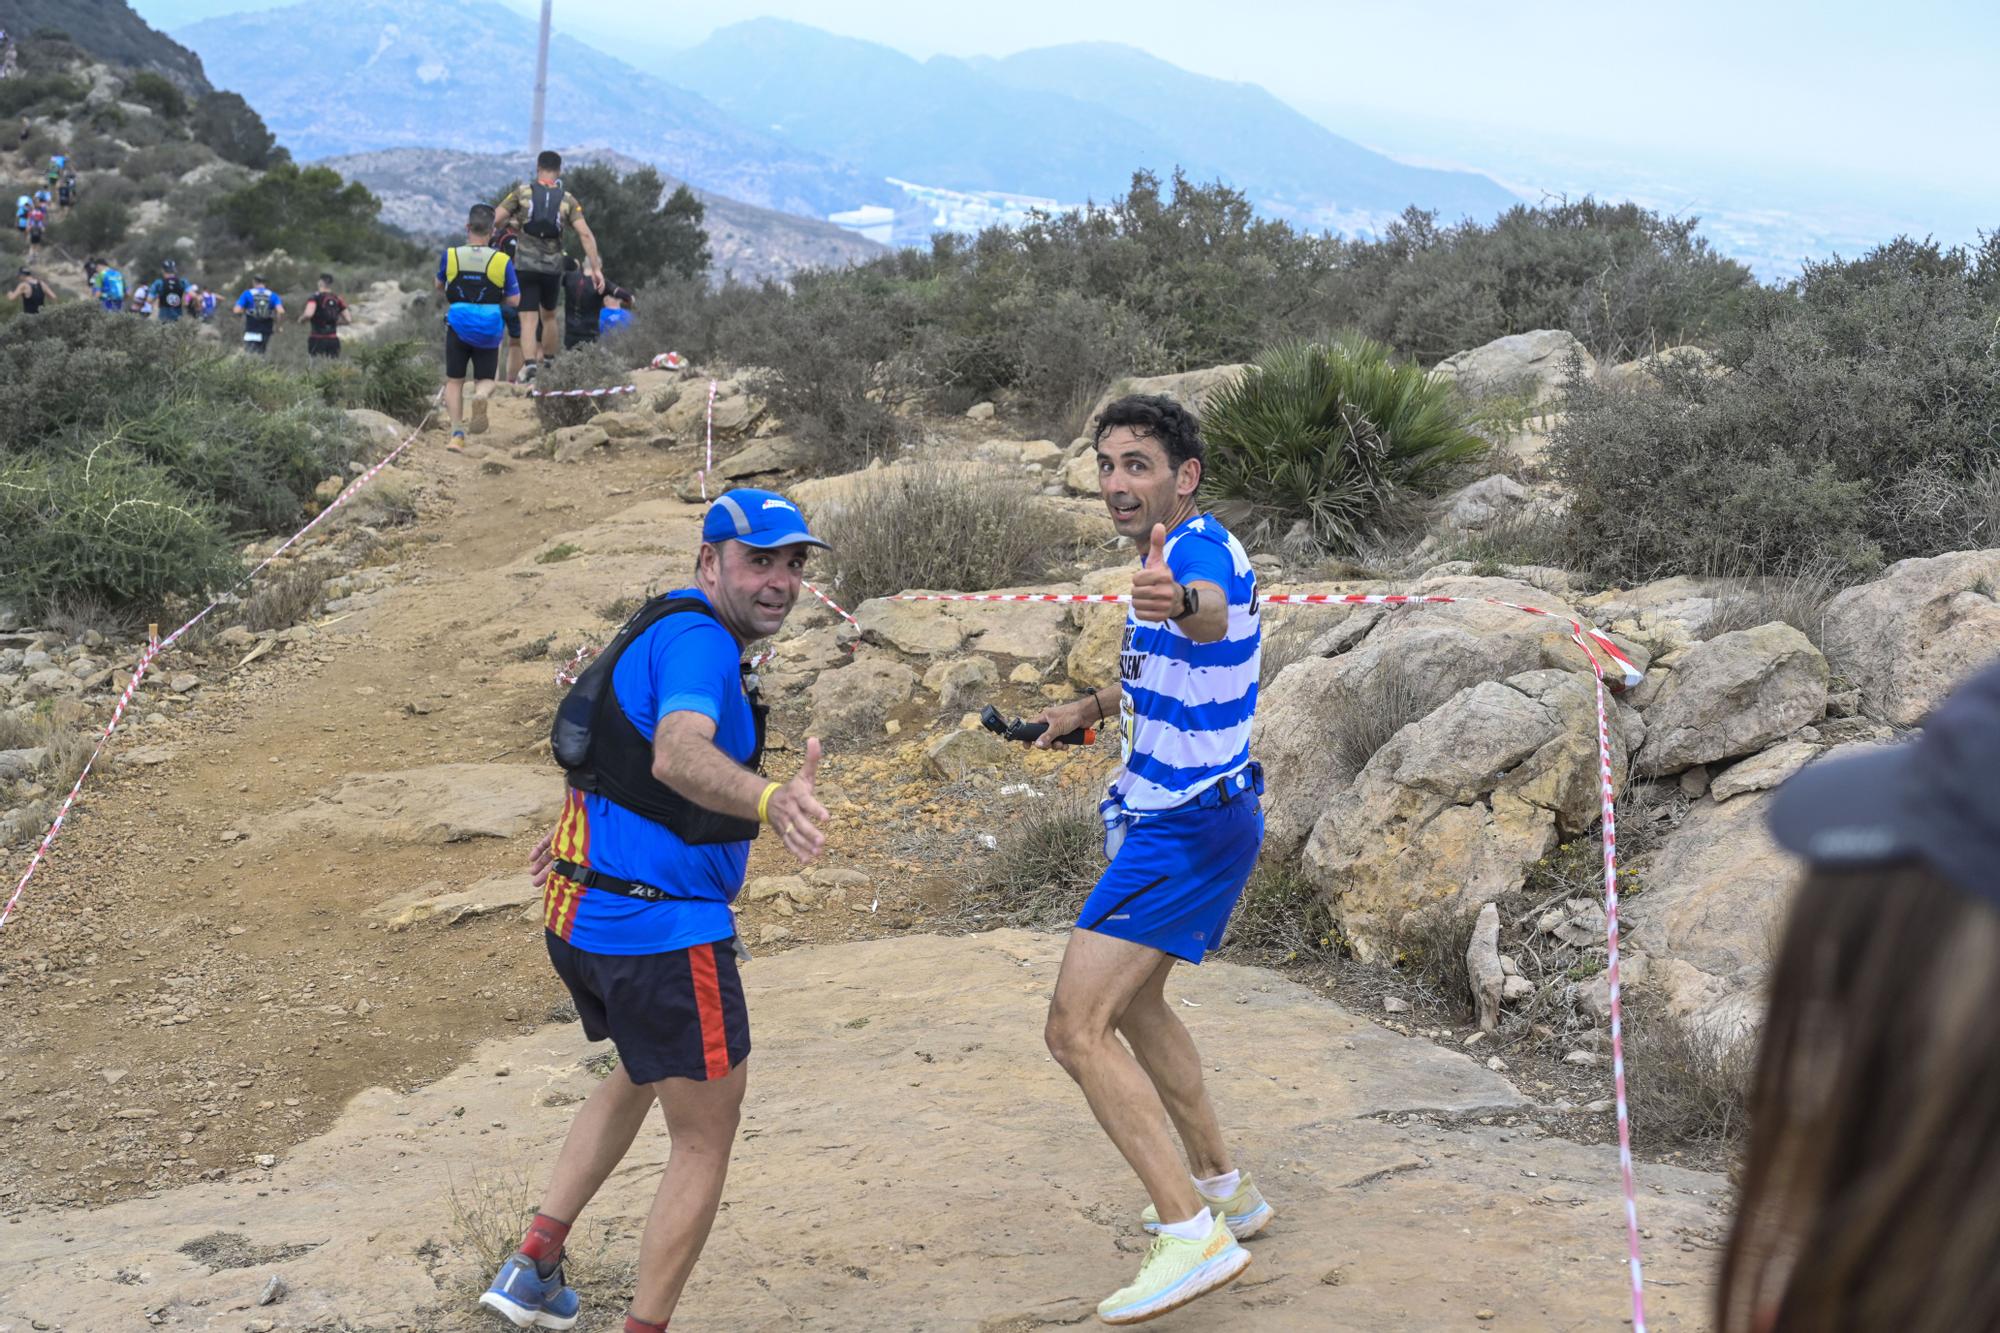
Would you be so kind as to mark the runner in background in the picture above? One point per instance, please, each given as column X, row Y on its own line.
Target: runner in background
column 326, row 312
column 507, row 241
column 545, row 210
column 478, row 282
column 31, row 292
column 261, row 309
column 617, row 313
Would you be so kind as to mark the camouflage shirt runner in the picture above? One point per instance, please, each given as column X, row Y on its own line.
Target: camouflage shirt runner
column 543, row 256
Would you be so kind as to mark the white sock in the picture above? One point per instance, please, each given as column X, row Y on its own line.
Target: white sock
column 1195, row 1228
column 1219, row 1187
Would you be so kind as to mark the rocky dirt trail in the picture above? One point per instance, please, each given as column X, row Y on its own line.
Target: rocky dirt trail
column 222, row 1019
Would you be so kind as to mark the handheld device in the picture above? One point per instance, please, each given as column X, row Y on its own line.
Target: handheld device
column 1029, row 732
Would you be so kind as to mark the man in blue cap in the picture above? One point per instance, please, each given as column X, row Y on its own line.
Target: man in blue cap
column 661, row 739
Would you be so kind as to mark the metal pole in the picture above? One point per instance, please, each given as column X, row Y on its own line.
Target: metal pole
column 541, row 82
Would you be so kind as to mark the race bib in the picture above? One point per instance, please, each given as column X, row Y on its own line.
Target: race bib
column 173, row 298
column 253, row 337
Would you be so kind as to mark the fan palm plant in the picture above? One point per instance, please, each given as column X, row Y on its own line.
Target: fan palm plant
column 1335, row 436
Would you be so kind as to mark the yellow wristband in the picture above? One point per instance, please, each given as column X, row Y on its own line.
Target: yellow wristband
column 764, row 804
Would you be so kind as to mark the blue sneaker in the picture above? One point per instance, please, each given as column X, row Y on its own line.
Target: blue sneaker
column 521, row 1296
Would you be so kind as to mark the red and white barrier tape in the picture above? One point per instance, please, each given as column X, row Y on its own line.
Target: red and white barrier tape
column 1629, row 674
column 1592, row 643
column 153, row 651
column 708, row 457
column 583, row 393
column 668, row 361
column 567, row 676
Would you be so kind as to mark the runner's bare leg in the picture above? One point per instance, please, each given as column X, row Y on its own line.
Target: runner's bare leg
column 701, row 1120
column 1161, row 1044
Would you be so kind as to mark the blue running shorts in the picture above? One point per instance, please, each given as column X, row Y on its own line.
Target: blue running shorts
column 1177, row 876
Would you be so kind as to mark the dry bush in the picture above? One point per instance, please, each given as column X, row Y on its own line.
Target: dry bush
column 390, row 501
column 75, row 616
column 284, row 599
column 1283, row 912
column 1685, row 1084
column 1798, row 597
column 1364, row 717
column 489, row 1213
column 1429, row 950
column 928, row 525
column 1048, row 857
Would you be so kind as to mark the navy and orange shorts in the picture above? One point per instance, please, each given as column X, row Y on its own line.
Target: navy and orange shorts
column 670, row 1015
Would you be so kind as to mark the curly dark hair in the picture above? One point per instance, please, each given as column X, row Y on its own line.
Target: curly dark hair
column 1155, row 416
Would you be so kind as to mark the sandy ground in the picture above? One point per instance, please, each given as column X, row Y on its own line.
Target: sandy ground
column 911, row 1159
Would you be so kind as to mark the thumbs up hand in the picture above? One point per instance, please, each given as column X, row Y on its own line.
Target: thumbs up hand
column 1155, row 594
column 796, row 813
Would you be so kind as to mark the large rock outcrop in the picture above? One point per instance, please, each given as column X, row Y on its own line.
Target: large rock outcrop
column 1909, row 637
column 1732, row 695
column 854, row 701
column 1456, row 806
column 1532, row 363
column 1432, row 651
column 1191, row 388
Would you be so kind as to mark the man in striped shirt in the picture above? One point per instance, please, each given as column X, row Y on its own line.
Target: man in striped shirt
column 1182, row 830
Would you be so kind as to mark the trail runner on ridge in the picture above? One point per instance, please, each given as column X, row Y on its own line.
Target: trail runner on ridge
column 663, row 736
column 1182, row 830
column 544, row 209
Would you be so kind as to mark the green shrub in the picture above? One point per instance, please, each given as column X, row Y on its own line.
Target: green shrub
column 937, row 525
column 45, row 91
column 97, row 223
column 226, row 123
column 1859, row 423
column 157, row 92
column 590, row 366
column 640, row 236
column 1337, row 438
column 836, row 350
column 399, row 378
column 1048, row 853
column 304, row 211
column 138, row 454
column 108, row 526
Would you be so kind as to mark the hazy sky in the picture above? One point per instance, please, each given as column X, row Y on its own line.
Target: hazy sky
column 1837, row 89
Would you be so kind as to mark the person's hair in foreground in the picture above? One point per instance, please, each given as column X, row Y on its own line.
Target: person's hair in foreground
column 1870, row 1197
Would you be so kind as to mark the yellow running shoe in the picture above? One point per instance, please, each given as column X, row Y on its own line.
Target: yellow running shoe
column 1175, row 1272
column 1245, row 1210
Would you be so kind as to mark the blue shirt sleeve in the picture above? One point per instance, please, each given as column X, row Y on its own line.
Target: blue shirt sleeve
column 243, row 301
column 686, row 664
column 1195, row 558
column 441, row 259
column 513, row 287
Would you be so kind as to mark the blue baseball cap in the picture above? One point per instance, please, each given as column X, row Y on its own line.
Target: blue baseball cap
column 764, row 519
column 1935, row 799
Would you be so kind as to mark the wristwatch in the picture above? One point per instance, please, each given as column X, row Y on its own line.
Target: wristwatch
column 1190, row 602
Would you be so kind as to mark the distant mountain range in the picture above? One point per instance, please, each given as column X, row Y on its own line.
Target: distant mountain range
column 427, row 190
column 366, row 75
column 1065, row 122
column 786, row 116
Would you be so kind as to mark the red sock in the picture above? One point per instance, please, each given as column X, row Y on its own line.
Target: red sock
column 544, row 1241
column 634, row 1324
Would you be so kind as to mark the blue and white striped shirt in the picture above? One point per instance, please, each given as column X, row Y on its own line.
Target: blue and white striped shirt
column 1186, row 708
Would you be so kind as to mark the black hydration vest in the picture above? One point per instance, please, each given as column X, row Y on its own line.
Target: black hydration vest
column 601, row 752
column 544, row 220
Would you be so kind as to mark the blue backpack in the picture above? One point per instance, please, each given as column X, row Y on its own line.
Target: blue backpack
column 114, row 285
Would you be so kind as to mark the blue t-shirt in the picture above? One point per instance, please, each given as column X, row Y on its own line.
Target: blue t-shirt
column 1186, row 708
column 249, row 299
column 610, row 321
column 686, row 663
column 485, row 326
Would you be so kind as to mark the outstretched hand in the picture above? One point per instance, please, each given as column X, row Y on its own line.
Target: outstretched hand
column 1155, row 594
column 796, row 813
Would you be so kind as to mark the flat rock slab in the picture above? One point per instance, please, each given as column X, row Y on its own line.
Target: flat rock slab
column 441, row 905
column 438, row 804
column 911, row 1159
